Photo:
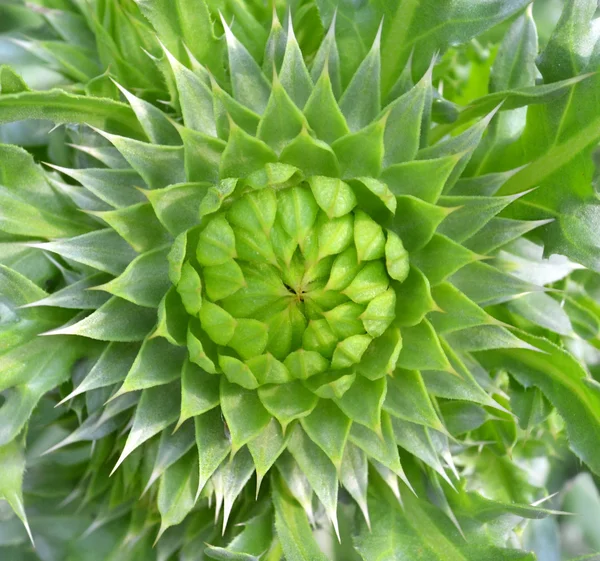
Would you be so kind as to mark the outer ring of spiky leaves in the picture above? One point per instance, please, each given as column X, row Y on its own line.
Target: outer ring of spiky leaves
column 297, row 127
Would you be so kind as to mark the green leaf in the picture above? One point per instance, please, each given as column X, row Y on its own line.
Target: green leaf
column 244, row 154
column 189, row 288
column 403, row 127
column 199, row 392
column 361, row 153
column 292, row 527
column 294, row 74
column 176, row 494
column 157, row 363
column 212, row 443
column 312, row 156
column 328, row 428
column 486, row 285
column 282, row 121
column 249, row 84
column 335, row 197
column 319, row 471
column 363, row 401
column 440, row 258
column 113, row 186
column 407, row 398
column 172, row 322
column 20, row 218
column 202, row 156
column 361, row 102
column 117, row 320
column 381, row 446
column 254, row 540
column 12, row 462
column 470, row 214
column 381, row 356
column 170, row 449
column 371, row 281
column 29, row 372
column 157, row 409
column 235, row 474
column 421, row 349
column 266, row 448
column 287, row 402
column 158, row 165
column 563, row 381
column 245, row 415
column 511, row 99
column 62, row 107
column 413, row 299
column 195, row 98
column 157, row 127
column 238, row 372
column 181, row 25
column 323, row 113
column 223, row 280
column 423, row 28
column 416, row 221
column 417, row 440
column 461, row 417
column 419, row 530
column 144, row 282
column 111, row 368
column 77, row 296
column 424, row 179
column 104, row 250
column 354, row 476
column 11, row 82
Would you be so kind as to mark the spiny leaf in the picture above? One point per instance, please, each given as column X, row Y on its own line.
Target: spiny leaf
column 408, row 399
column 63, row 107
column 287, row 402
column 213, row 444
column 114, row 186
column 294, row 74
column 170, row 449
column 249, row 84
column 361, row 153
column 245, row 415
column 157, row 127
column 157, row 363
column 12, row 462
column 111, row 367
column 195, row 98
column 266, row 448
column 176, row 492
column 328, row 427
column 104, row 250
column 362, row 392
column 292, row 527
column 158, row 408
column 117, row 320
column 158, row 165
column 145, row 280
column 323, row 113
column 180, row 25
column 361, row 102
column 282, row 120
column 312, row 156
column 319, row 471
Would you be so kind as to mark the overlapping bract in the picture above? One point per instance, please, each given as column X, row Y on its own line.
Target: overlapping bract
column 280, row 190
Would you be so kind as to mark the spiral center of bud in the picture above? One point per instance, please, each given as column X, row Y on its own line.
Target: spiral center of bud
column 288, row 283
